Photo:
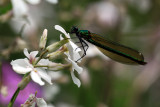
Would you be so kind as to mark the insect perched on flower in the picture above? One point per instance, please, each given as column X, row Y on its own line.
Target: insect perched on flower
column 111, row 49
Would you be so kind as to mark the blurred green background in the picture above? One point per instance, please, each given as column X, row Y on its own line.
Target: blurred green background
column 105, row 83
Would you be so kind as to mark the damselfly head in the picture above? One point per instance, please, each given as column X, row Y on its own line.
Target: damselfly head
column 74, row 29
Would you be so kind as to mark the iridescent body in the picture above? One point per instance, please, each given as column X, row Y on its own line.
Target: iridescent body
column 111, row 49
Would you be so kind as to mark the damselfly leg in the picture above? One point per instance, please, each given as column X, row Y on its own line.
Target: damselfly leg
column 83, row 45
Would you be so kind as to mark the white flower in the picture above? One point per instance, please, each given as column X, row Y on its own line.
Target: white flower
column 33, row 100
column 73, row 55
column 20, row 7
column 23, row 66
column 34, row 2
column 72, row 47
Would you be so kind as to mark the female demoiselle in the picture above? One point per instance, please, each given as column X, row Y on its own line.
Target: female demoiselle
column 109, row 48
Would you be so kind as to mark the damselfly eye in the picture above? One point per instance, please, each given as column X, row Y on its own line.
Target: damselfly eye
column 74, row 29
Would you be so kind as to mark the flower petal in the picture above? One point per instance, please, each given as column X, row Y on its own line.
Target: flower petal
column 73, row 50
column 26, row 53
column 74, row 64
column 75, row 79
column 61, row 38
column 59, row 28
column 21, row 66
column 41, row 102
column 30, row 102
column 36, row 78
column 52, row 1
column 32, row 105
column 44, row 75
column 34, row 2
column 20, row 8
column 44, row 62
column 75, row 47
column 33, row 54
column 78, row 69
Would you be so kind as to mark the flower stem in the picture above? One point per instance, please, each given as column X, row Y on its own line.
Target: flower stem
column 14, row 97
column 16, row 94
column 40, row 57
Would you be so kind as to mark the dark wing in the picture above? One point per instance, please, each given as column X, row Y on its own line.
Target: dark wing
column 117, row 51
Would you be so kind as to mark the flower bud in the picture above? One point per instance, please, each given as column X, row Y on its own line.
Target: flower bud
column 58, row 66
column 43, row 40
column 57, row 45
column 24, row 82
column 57, row 54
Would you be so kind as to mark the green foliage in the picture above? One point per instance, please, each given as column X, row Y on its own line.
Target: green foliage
column 5, row 8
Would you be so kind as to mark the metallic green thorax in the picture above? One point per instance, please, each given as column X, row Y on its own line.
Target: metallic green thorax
column 84, row 34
